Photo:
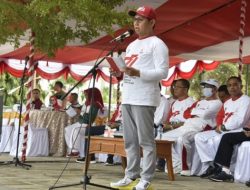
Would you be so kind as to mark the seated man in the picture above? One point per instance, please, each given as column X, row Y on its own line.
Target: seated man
column 36, row 101
column 74, row 109
column 235, row 110
column 73, row 100
column 176, row 118
column 197, row 167
column 161, row 113
column 201, row 115
column 58, row 88
column 223, row 93
column 225, row 152
column 172, row 97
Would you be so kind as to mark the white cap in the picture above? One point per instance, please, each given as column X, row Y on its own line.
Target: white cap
column 213, row 82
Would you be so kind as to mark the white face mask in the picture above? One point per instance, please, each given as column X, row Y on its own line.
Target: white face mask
column 207, row 92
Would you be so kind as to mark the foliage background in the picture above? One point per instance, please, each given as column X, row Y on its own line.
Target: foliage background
column 58, row 22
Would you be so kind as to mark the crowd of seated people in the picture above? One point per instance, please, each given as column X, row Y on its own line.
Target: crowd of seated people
column 199, row 116
column 209, row 128
column 235, row 111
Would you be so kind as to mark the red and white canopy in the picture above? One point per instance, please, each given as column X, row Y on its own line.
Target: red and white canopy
column 192, row 29
column 77, row 61
column 195, row 29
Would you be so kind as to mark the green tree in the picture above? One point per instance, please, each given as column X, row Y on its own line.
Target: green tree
column 221, row 73
column 9, row 83
column 59, row 21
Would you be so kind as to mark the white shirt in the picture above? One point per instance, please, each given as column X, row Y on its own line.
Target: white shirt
column 207, row 110
column 150, row 56
column 161, row 112
column 236, row 112
column 178, row 108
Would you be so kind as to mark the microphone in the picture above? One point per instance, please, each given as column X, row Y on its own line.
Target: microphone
column 27, row 58
column 81, row 119
column 123, row 36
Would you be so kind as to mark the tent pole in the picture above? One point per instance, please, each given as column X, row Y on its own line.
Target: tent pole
column 247, row 79
column 34, row 81
column 110, row 96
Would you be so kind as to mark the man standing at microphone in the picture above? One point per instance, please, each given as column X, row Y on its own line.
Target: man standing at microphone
column 147, row 64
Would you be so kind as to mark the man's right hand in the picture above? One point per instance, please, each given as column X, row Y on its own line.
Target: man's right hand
column 115, row 73
column 167, row 127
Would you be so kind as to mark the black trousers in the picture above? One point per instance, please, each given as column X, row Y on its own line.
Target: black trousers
column 226, row 147
column 94, row 130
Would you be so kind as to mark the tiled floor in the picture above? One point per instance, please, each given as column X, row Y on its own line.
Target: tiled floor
column 45, row 171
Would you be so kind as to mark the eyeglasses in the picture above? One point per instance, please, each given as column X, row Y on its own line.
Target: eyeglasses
column 175, row 87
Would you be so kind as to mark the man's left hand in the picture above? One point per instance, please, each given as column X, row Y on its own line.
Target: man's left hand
column 218, row 129
column 247, row 133
column 130, row 71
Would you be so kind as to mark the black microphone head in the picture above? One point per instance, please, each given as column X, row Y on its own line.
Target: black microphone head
column 123, row 36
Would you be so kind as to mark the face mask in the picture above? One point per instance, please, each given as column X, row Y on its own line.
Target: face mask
column 207, row 92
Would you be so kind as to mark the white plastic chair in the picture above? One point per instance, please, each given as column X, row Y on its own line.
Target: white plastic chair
column 7, row 132
column 242, row 168
column 37, row 144
column 6, row 138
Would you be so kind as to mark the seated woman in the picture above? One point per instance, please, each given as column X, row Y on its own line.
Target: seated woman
column 75, row 134
column 55, row 103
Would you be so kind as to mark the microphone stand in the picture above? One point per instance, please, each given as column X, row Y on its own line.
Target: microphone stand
column 16, row 160
column 86, row 178
column 1, row 113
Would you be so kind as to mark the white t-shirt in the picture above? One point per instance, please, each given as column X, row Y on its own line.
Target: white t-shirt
column 150, row 56
column 178, row 109
column 236, row 112
column 207, row 110
column 161, row 112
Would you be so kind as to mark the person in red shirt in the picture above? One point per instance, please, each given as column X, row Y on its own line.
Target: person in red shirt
column 223, row 93
column 36, row 101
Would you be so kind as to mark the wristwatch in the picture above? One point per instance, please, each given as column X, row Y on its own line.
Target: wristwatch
column 223, row 128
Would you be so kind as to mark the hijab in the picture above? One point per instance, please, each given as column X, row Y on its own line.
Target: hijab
column 95, row 95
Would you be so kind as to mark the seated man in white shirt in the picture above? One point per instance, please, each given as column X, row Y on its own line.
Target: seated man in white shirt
column 235, row 117
column 74, row 108
column 176, row 118
column 201, row 115
column 161, row 113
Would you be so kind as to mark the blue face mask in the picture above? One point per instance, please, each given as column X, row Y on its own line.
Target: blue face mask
column 207, row 92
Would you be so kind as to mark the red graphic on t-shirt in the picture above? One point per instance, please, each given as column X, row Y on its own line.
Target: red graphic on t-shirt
column 175, row 113
column 227, row 116
column 131, row 60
